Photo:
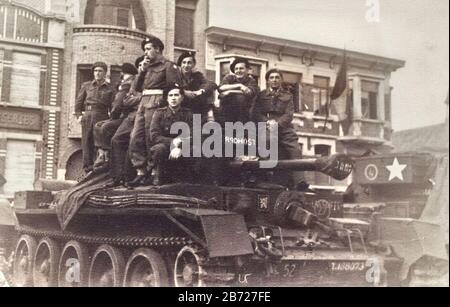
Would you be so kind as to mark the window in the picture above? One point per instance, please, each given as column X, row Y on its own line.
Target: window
column 19, row 166
column 184, row 23
column 116, row 71
column 292, row 82
column 122, row 13
column 321, row 93
column 369, row 99
column 25, row 79
column 84, row 74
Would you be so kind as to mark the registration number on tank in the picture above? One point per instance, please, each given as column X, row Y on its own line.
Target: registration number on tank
column 348, row 266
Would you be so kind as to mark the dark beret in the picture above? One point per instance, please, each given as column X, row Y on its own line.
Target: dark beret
column 101, row 65
column 273, row 70
column 138, row 61
column 238, row 61
column 156, row 42
column 187, row 54
column 128, row 68
column 172, row 86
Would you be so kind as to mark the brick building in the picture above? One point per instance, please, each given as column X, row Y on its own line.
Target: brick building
column 31, row 68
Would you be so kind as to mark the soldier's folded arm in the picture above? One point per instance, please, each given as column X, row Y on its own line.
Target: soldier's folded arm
column 286, row 119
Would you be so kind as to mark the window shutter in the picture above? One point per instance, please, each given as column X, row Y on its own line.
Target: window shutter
column 19, row 166
column 184, row 28
column 25, row 79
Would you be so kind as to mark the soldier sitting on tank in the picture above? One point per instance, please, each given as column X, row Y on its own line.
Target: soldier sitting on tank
column 199, row 92
column 168, row 146
column 237, row 93
column 275, row 107
column 105, row 130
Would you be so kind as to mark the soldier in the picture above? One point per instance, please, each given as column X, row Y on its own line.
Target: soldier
column 237, row 93
column 92, row 106
column 198, row 90
column 105, row 130
column 157, row 74
column 167, row 146
column 275, row 106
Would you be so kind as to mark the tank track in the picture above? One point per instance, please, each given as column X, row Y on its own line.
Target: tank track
column 153, row 242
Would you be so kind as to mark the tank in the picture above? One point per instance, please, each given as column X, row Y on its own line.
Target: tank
column 245, row 232
column 406, row 197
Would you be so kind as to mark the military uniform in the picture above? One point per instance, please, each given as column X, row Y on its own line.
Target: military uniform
column 151, row 82
column 278, row 105
column 120, row 161
column 95, row 101
column 236, row 107
column 195, row 82
column 105, row 130
column 161, row 137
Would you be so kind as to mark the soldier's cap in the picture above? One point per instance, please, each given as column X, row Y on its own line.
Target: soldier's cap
column 130, row 69
column 101, row 65
column 173, row 86
column 273, row 70
column 156, row 42
column 138, row 61
column 187, row 54
column 238, row 61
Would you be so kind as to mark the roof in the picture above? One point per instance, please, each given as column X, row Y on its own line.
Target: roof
column 229, row 37
column 432, row 139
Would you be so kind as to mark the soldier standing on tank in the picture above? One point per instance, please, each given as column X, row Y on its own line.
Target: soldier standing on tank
column 156, row 75
column 105, row 130
column 275, row 106
column 237, row 93
column 198, row 90
column 168, row 146
column 92, row 106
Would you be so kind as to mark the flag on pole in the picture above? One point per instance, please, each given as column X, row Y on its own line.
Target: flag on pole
column 340, row 98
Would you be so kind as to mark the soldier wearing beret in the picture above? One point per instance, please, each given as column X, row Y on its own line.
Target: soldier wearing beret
column 157, row 73
column 105, row 130
column 275, row 106
column 237, row 92
column 167, row 146
column 199, row 92
column 92, row 105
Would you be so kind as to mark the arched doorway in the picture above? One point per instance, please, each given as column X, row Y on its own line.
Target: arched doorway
column 74, row 166
column 122, row 13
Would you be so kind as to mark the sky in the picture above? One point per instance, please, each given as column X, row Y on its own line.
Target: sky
column 415, row 31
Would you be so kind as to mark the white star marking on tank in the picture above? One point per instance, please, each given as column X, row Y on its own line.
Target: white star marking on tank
column 396, row 170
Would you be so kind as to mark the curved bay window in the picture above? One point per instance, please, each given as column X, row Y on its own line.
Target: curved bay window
column 121, row 13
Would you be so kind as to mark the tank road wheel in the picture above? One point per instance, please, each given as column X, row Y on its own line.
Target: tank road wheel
column 73, row 265
column 45, row 268
column 146, row 268
column 106, row 267
column 188, row 271
column 23, row 261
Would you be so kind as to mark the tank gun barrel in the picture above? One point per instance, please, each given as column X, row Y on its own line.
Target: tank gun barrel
column 338, row 166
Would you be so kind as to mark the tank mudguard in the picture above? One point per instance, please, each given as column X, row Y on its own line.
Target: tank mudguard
column 225, row 233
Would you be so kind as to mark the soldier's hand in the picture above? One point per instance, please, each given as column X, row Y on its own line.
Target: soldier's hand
column 175, row 154
column 271, row 124
column 177, row 142
column 79, row 118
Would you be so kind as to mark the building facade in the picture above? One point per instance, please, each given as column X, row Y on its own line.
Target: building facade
column 310, row 71
column 31, row 71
